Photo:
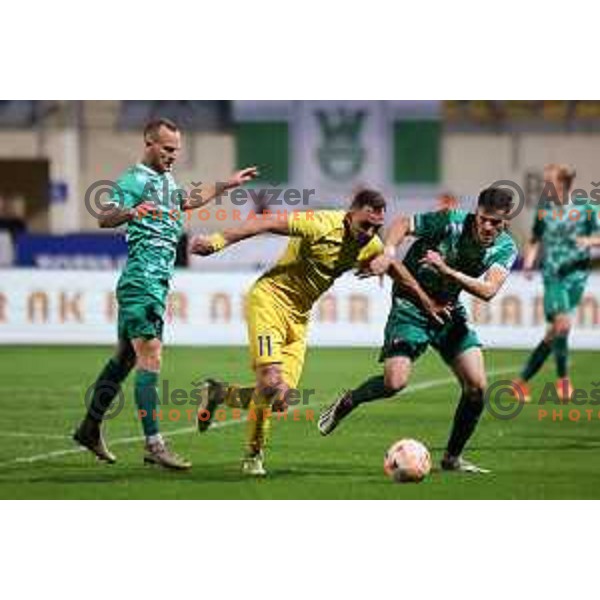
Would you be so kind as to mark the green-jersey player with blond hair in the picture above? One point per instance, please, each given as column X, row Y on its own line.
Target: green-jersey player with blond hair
column 149, row 202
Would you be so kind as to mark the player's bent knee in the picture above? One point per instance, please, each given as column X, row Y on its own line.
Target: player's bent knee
column 144, row 347
column 561, row 325
column 148, row 363
column 148, row 355
column 394, row 382
column 269, row 379
column 474, row 391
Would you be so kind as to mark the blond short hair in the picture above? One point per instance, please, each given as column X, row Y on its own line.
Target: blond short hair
column 565, row 172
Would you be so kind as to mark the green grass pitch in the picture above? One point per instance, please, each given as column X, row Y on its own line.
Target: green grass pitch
column 42, row 390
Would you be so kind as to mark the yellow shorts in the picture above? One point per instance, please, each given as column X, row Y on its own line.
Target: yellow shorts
column 275, row 335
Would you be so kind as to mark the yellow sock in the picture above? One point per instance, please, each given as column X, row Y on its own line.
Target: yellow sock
column 238, row 396
column 259, row 423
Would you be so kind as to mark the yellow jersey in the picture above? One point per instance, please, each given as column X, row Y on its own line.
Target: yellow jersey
column 319, row 251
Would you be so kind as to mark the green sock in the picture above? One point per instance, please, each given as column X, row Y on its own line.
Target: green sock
column 536, row 359
column 371, row 389
column 561, row 354
column 146, row 399
column 466, row 418
column 106, row 388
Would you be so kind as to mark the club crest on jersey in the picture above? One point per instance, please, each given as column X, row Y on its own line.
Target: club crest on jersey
column 341, row 155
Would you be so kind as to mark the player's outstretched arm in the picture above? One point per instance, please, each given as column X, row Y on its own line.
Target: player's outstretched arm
column 205, row 245
column 398, row 230
column 114, row 217
column 484, row 289
column 203, row 195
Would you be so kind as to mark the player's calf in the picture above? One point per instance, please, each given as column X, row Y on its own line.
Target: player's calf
column 466, row 417
column 103, row 392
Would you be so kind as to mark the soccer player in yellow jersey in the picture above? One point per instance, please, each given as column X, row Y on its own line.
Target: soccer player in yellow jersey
column 323, row 245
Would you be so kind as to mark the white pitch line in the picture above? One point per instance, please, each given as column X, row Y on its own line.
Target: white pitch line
column 118, row 441
column 41, row 436
column 34, row 390
column 417, row 387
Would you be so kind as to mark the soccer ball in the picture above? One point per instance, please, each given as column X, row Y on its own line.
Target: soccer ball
column 407, row 461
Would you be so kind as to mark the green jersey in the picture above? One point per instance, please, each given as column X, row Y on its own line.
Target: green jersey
column 557, row 228
column 451, row 233
column 151, row 240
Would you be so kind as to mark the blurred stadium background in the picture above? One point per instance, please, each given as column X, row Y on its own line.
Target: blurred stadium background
column 57, row 269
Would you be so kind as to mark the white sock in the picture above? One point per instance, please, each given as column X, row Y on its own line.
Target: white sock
column 153, row 439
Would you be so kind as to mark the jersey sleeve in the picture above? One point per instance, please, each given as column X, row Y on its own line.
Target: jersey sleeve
column 127, row 192
column 310, row 225
column 505, row 256
column 371, row 250
column 431, row 225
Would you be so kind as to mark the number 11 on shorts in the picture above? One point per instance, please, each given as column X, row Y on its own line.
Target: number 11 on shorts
column 264, row 343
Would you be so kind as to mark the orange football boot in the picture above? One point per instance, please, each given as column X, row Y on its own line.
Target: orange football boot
column 521, row 391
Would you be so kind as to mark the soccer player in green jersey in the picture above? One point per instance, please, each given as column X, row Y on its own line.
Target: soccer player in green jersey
column 454, row 251
column 148, row 200
column 564, row 230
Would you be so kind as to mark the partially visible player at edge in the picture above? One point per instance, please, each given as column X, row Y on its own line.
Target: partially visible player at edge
column 563, row 232
column 454, row 251
column 324, row 245
column 152, row 236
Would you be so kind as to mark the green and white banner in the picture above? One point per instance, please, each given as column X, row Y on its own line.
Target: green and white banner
column 338, row 145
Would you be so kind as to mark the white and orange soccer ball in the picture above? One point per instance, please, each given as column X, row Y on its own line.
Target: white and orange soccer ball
column 407, row 461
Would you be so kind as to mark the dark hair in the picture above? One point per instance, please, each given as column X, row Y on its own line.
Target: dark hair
column 496, row 200
column 368, row 197
column 152, row 127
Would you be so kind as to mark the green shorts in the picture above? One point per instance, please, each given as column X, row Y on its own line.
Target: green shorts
column 562, row 296
column 141, row 314
column 408, row 332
